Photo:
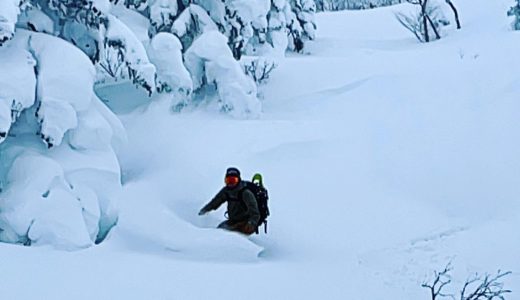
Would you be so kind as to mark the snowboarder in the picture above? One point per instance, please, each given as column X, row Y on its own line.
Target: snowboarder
column 242, row 208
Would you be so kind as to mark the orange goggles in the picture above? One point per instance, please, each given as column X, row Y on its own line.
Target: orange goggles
column 231, row 180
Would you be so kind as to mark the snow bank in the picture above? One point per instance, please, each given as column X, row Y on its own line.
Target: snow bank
column 39, row 206
column 210, row 60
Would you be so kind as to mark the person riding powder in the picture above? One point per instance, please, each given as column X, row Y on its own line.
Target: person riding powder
column 242, row 207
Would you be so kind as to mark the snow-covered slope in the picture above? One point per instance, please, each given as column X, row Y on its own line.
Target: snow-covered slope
column 384, row 159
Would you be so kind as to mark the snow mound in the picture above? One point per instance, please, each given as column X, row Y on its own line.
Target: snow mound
column 39, row 207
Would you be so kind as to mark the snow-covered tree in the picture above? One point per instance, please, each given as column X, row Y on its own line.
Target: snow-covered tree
column 90, row 26
column 284, row 29
column 162, row 14
column 122, row 43
column 64, row 197
column 238, row 20
column 165, row 51
column 243, row 23
column 305, row 11
column 515, row 12
column 212, row 66
column 191, row 24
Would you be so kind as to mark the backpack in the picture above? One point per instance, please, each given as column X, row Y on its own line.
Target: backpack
column 256, row 186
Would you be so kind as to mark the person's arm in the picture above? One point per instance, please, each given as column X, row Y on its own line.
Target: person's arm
column 215, row 203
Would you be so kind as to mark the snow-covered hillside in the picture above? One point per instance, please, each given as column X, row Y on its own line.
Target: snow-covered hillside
column 384, row 158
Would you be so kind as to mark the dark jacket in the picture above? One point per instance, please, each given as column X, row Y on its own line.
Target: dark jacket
column 241, row 204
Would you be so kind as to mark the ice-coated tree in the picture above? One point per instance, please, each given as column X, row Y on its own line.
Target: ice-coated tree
column 514, row 11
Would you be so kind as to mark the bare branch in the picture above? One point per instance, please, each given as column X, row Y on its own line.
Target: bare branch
column 435, row 30
column 485, row 288
column 411, row 24
column 441, row 280
column 455, row 13
column 259, row 70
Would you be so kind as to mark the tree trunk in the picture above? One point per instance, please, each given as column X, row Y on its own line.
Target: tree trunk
column 425, row 20
column 437, row 35
column 455, row 12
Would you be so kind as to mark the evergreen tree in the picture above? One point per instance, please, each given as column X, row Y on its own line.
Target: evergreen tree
column 305, row 11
